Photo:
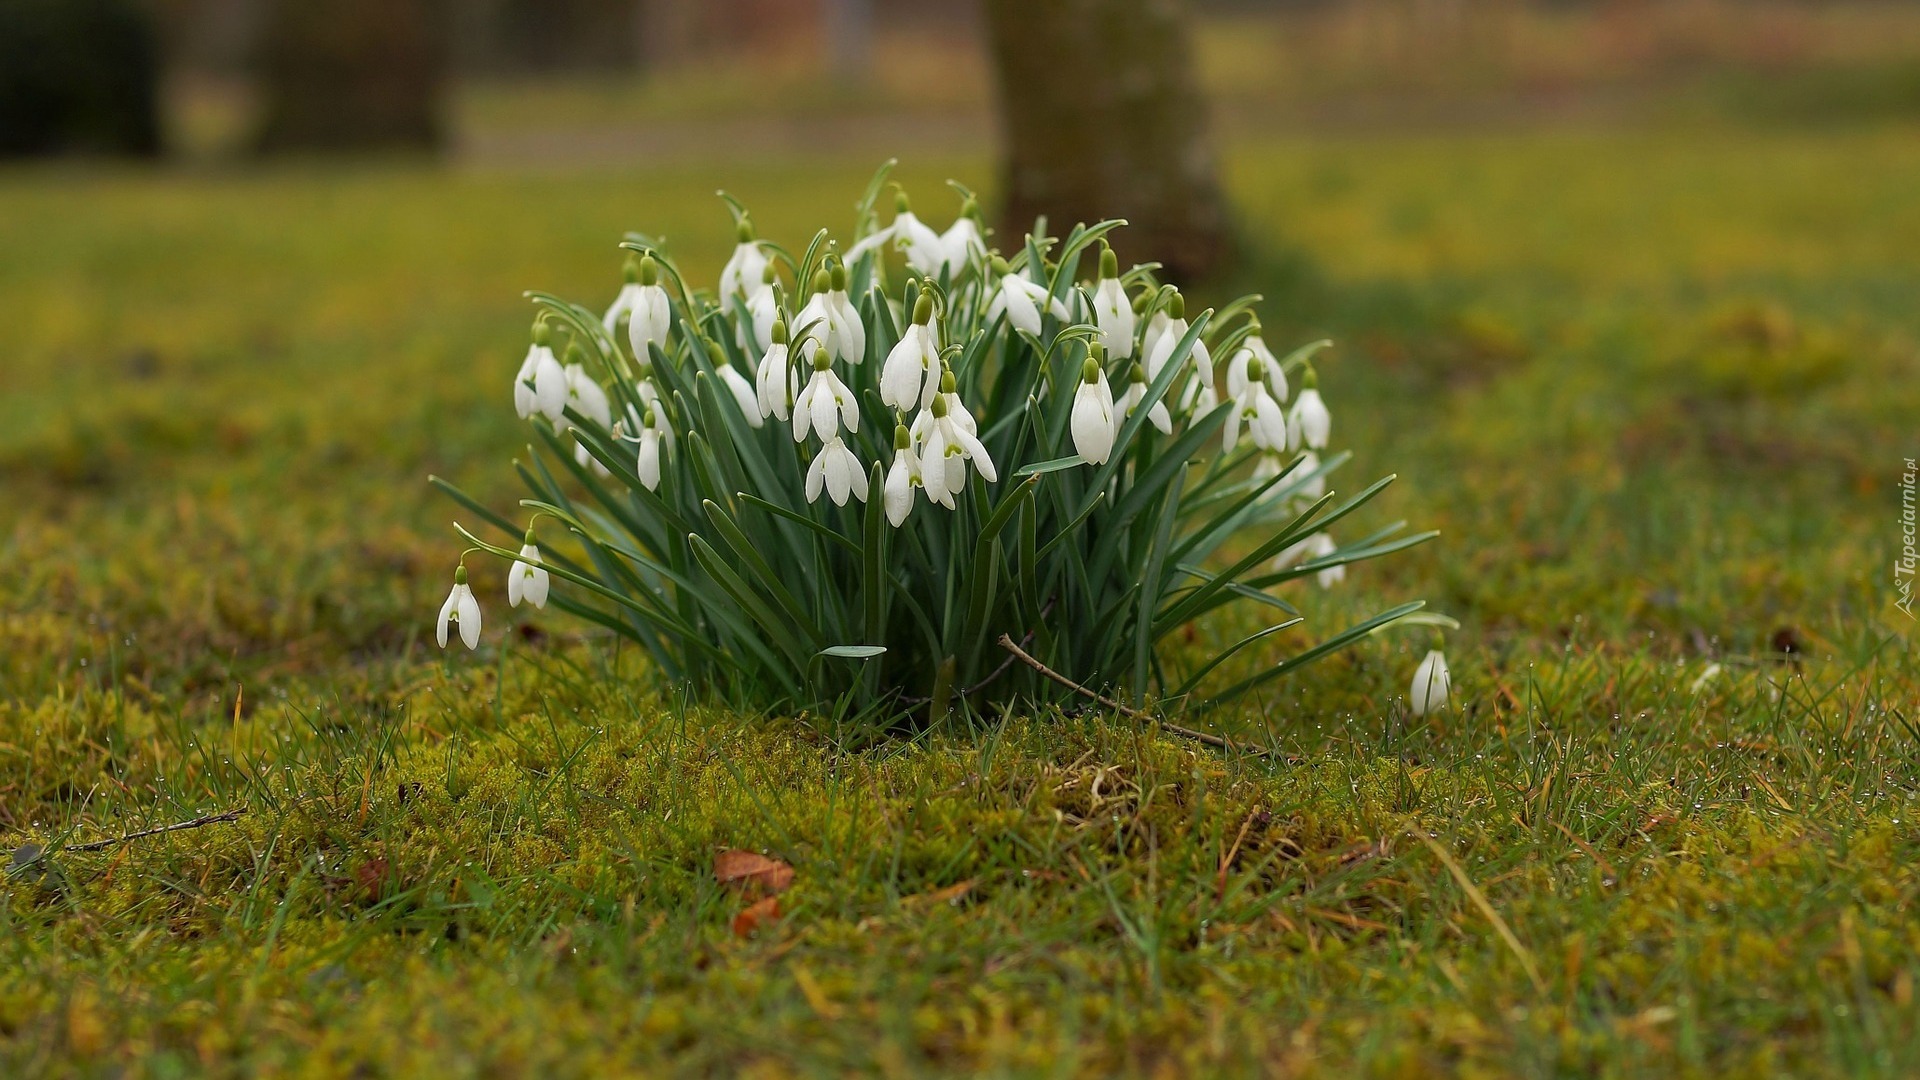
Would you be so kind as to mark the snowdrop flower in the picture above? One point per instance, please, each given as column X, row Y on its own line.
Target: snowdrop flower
column 541, row 386
column 1112, row 311
column 1255, row 405
column 1431, row 682
column 824, row 404
column 1020, row 297
column 744, row 394
column 962, row 244
column 745, row 268
column 774, row 381
column 1309, row 424
column 650, row 319
column 1136, row 393
column 902, row 478
column 1253, row 348
column 1168, row 340
column 526, row 580
column 838, row 470
column 586, row 398
column 654, row 436
column 1315, row 485
column 949, row 439
column 1156, row 323
column 460, row 608
column 910, row 377
column 1092, row 421
column 924, row 249
column 1317, row 546
column 755, row 333
column 831, row 319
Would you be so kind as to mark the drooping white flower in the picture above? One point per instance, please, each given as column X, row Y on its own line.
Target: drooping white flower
column 911, row 374
column 650, row 318
column 745, row 267
column 1168, row 340
column 460, row 608
column 587, row 399
column 907, row 233
column 743, row 393
column 824, row 404
column 774, row 381
column 1112, row 311
column 1021, row 298
column 655, row 437
column 1136, row 393
column 1253, row 348
column 838, row 470
column 963, row 243
column 830, row 318
column 1317, row 546
column 1092, row 420
column 1157, row 324
column 541, row 386
column 902, row 478
column 1431, row 684
column 1309, row 423
column 755, row 333
column 526, row 578
column 948, row 437
column 1315, row 482
column 1266, row 423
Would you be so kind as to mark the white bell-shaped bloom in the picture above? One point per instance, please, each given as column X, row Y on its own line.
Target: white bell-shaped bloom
column 837, row 470
column 911, row 374
column 743, row 393
column 541, row 386
column 462, row 609
column 1168, row 340
column 773, row 383
column 1253, row 348
column 755, row 333
column 1317, row 546
column 1021, row 298
column 902, row 478
column 1157, row 325
column 586, row 399
column 824, row 404
column 1314, row 481
column 1309, row 423
column 650, row 320
column 963, row 243
column 830, row 317
column 1431, row 684
column 1136, row 393
column 923, row 247
column 654, row 436
column 949, row 440
column 526, row 579
column 1092, row 420
column 1254, row 405
column 745, row 267
column 1112, row 311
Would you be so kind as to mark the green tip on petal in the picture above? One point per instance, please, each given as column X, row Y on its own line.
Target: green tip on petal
column 460, row 574
column 1090, row 371
column 821, row 280
column 743, row 231
column 1109, row 262
column 923, row 308
column 902, row 438
column 1177, row 307
column 779, row 331
column 649, row 271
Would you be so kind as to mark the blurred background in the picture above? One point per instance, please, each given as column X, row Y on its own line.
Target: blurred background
column 1620, row 286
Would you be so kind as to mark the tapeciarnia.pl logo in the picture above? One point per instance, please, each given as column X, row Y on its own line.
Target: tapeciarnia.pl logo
column 1903, row 567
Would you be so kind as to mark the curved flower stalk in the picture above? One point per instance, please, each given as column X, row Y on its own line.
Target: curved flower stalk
column 1052, row 409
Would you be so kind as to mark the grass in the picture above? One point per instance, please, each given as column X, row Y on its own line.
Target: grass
column 1652, row 384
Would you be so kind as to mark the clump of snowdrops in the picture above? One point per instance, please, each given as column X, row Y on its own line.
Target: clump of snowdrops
column 852, row 482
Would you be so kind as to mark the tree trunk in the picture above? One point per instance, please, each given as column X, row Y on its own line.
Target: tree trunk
column 353, row 74
column 1101, row 117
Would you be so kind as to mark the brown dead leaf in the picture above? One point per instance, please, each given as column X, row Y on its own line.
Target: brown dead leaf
column 752, row 871
column 949, row 895
column 755, row 915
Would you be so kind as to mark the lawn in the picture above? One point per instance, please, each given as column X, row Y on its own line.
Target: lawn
column 1656, row 386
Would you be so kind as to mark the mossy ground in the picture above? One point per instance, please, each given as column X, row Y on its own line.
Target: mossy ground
column 1655, row 386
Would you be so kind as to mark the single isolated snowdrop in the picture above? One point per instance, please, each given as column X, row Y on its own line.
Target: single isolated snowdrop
column 1112, row 311
column 1431, row 684
column 1254, row 404
column 462, row 609
column 923, row 247
column 1136, row 393
column 1021, row 298
column 1092, row 420
column 774, row 381
column 838, row 470
column 1253, row 348
column 824, row 404
column 949, row 439
column 746, row 267
column 830, row 318
column 649, row 313
column 964, row 243
column 1309, row 424
column 902, row 478
column 541, row 386
column 526, row 579
column 911, row 374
